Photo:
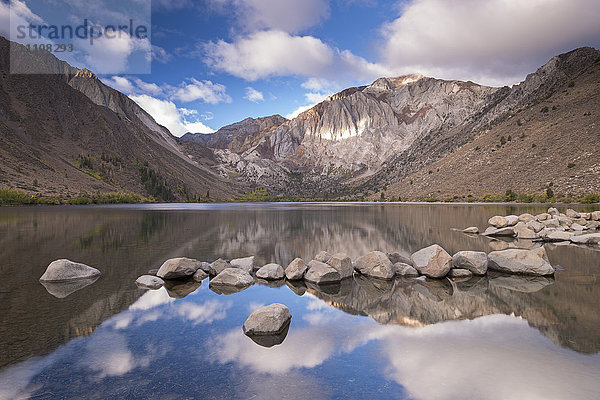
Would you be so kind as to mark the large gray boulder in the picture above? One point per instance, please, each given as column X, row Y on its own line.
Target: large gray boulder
column 66, row 270
column 246, row 263
column 177, row 268
column 296, row 269
column 403, row 269
column 551, row 223
column 342, row 264
column 524, row 232
column 595, row 216
column 526, row 218
column 270, row 272
column 474, row 261
column 512, row 220
column 323, row 256
column 233, row 277
column 590, row 238
column 200, row 275
column 506, row 231
column 375, row 264
column 321, row 273
column 268, row 320
column 521, row 261
column 218, row 266
column 498, row 221
column 572, row 213
column 553, row 212
column 149, row 282
column 432, row 261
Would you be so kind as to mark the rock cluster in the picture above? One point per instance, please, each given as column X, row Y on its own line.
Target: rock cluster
column 551, row 226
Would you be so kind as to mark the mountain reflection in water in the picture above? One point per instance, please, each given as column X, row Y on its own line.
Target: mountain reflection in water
column 488, row 337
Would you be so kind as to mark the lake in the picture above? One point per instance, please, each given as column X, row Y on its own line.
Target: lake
column 491, row 337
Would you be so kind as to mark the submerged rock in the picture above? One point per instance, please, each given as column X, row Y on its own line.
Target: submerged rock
column 177, row 268
column 232, row 277
column 178, row 289
column 432, row 261
column 296, row 286
column 375, row 264
column 66, row 270
column 270, row 340
column 63, row 289
column 218, row 266
column 474, row 261
column 270, row 272
column 520, row 261
column 342, row 264
column 296, row 269
column 149, row 282
column 246, row 263
column 320, row 273
column 471, row 229
column 268, row 320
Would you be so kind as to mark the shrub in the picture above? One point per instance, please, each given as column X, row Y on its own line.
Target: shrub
column 570, row 165
column 571, row 84
column 589, row 198
column 510, row 195
column 544, row 110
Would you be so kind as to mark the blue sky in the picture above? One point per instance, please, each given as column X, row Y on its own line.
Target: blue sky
column 216, row 62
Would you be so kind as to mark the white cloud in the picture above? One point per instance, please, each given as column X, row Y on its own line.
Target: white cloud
column 254, row 95
column 285, row 15
column 161, row 55
column 264, row 54
column 166, row 113
column 206, row 91
column 493, row 42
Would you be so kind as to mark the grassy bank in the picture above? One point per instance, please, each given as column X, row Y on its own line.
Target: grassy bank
column 19, row 197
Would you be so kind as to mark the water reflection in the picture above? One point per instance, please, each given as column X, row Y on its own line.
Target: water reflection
column 60, row 290
column 149, row 330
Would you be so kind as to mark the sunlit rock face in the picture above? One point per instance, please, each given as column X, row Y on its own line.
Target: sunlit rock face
column 364, row 126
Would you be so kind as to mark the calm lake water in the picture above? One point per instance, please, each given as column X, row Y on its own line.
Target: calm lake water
column 493, row 337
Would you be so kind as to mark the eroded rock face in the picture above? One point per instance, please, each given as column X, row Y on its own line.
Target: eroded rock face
column 66, row 270
column 268, row 320
column 177, row 268
column 149, row 282
column 233, row 277
column 474, row 261
column 218, row 266
column 432, row 261
column 296, row 269
column 321, row 273
column 375, row 264
column 521, row 261
column 342, row 264
column 270, row 272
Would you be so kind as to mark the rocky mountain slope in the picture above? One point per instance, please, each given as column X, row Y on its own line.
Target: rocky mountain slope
column 68, row 133
column 364, row 139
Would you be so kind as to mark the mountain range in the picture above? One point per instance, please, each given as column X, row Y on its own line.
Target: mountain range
column 409, row 137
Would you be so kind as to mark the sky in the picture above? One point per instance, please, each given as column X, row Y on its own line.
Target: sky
column 216, row 62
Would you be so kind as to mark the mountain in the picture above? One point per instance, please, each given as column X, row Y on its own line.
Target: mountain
column 394, row 131
column 67, row 133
